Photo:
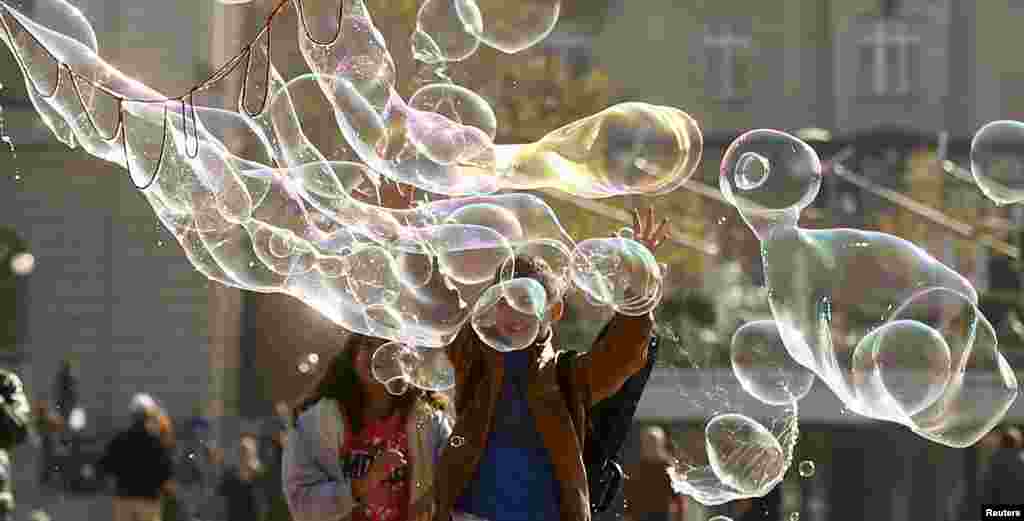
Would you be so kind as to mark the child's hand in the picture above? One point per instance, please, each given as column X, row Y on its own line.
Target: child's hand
column 645, row 232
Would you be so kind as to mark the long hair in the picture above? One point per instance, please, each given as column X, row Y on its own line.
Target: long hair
column 341, row 383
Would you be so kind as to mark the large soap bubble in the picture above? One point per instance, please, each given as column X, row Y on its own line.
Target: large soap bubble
column 509, row 315
column 980, row 387
column 770, row 177
column 509, row 26
column 829, row 289
column 997, row 161
column 900, row 368
column 763, row 366
column 744, row 454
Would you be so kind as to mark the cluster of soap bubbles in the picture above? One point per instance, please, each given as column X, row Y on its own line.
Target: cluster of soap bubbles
column 257, row 205
column 893, row 332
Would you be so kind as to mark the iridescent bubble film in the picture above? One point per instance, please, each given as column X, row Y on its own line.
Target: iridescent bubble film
column 744, row 454
column 846, row 303
column 770, row 177
column 509, row 27
column 257, row 204
column 997, row 161
column 763, row 366
column 509, row 315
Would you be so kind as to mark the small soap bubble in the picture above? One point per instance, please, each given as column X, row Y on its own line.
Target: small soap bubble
column 619, row 273
column 720, row 518
column 997, row 161
column 508, row 315
column 764, row 367
column 509, row 26
column 743, row 453
column 457, row 441
column 458, row 104
column 795, row 516
column 308, row 364
column 806, row 468
column 752, row 171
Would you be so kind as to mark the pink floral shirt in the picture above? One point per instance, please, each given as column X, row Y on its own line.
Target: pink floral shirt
column 391, row 502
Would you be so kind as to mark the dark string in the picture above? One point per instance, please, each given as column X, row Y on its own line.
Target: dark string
column 187, row 99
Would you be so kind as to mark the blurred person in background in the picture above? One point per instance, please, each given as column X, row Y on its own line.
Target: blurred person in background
column 276, row 439
column 648, row 489
column 49, row 427
column 140, row 464
column 65, row 387
column 358, row 452
column 172, row 503
column 241, row 484
column 15, row 423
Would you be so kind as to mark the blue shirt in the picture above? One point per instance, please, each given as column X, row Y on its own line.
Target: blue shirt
column 515, row 480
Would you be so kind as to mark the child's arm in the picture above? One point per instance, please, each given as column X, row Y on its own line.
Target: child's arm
column 618, row 353
column 312, row 494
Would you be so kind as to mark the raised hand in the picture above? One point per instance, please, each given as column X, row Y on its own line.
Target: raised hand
column 644, row 230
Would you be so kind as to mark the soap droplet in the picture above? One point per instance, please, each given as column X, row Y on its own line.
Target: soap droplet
column 806, row 468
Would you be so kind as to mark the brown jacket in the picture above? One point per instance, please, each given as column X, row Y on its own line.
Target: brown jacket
column 479, row 370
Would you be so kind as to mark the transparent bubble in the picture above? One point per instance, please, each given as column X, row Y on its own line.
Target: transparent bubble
column 620, row 273
column 503, row 221
column 508, row 316
column 763, row 366
column 720, row 518
column 509, row 27
column 830, row 289
column 770, row 177
column 744, row 454
column 795, row 516
column 308, row 363
column 981, row 385
column 471, row 254
column 456, row 103
column 427, row 369
column 900, row 368
column 445, row 141
column 997, row 161
column 441, row 36
column 752, row 170
column 626, row 148
column 372, row 278
column 806, row 468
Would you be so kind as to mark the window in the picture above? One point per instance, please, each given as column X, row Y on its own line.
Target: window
column 888, row 57
column 727, row 61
